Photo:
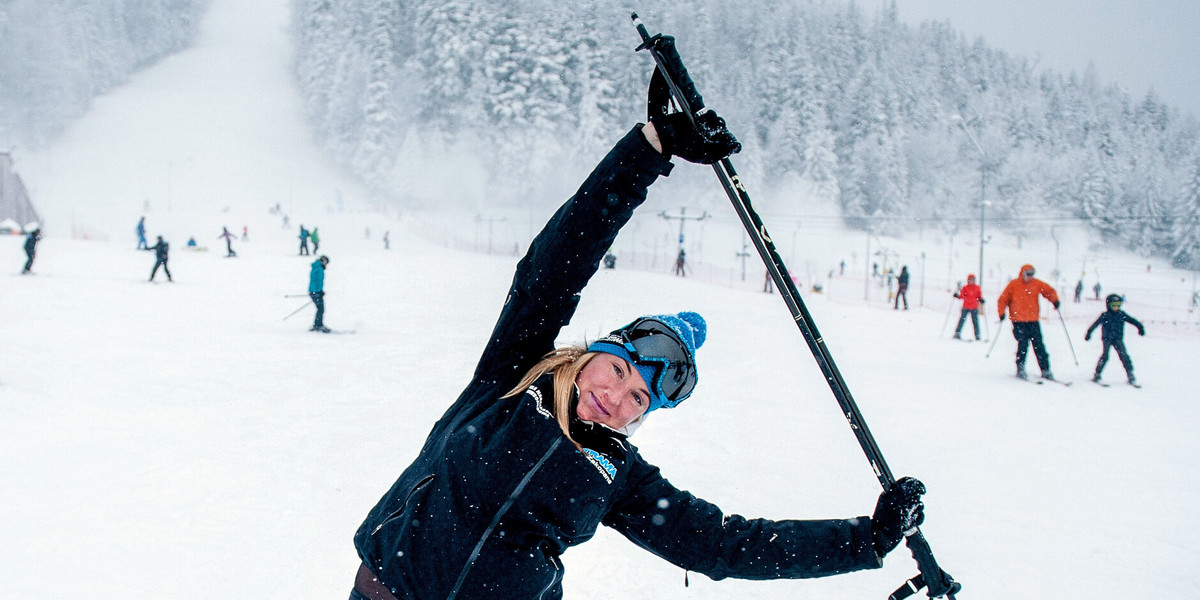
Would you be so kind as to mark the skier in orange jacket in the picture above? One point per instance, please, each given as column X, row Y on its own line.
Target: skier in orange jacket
column 1020, row 298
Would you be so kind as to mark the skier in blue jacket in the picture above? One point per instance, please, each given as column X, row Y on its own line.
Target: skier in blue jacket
column 534, row 454
column 316, row 291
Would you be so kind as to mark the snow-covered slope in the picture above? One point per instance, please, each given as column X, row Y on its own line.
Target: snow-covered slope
column 185, row 440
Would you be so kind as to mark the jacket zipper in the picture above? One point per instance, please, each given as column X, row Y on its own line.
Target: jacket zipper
column 396, row 513
column 462, row 575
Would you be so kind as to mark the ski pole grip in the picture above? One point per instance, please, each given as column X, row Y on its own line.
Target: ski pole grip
column 668, row 61
column 938, row 582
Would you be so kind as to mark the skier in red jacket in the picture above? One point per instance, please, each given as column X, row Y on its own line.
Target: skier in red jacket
column 972, row 297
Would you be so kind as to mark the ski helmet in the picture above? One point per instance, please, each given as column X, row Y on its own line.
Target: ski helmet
column 1114, row 300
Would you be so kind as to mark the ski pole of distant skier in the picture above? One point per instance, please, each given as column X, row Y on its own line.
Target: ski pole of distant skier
column 295, row 295
column 949, row 310
column 986, row 334
column 1067, row 333
column 304, row 306
column 999, row 328
column 687, row 99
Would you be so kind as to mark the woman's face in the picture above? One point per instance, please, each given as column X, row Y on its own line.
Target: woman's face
column 611, row 392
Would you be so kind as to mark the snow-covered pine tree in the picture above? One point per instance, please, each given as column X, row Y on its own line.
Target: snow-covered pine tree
column 1186, row 253
column 380, row 137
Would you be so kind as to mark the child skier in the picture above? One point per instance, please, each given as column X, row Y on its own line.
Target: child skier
column 1112, row 332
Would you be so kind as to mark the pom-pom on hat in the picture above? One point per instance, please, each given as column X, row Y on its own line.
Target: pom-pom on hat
column 663, row 350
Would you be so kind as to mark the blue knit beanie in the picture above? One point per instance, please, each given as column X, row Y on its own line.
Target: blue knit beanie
column 689, row 326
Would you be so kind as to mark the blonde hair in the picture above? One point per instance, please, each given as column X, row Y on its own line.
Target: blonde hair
column 565, row 364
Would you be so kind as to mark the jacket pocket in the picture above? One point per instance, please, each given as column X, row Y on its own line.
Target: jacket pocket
column 426, row 480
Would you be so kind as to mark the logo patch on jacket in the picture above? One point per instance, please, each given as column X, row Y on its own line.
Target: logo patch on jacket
column 602, row 463
column 535, row 393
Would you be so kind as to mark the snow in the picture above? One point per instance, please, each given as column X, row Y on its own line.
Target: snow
column 183, row 439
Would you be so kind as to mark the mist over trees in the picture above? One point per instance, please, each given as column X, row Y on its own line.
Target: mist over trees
column 860, row 108
column 56, row 55
column 834, row 104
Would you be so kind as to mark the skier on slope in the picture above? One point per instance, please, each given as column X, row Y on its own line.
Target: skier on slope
column 316, row 240
column 1020, row 298
column 303, row 240
column 141, row 233
column 228, row 242
column 902, row 288
column 31, row 241
column 316, row 291
column 1112, row 333
column 971, row 297
column 534, row 454
column 161, row 254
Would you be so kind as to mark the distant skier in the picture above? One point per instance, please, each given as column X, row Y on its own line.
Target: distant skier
column 228, row 242
column 316, row 291
column 31, row 241
column 303, row 241
column 387, row 242
column 1112, row 323
column 681, row 264
column 161, row 253
column 1020, row 297
column 141, row 233
column 1096, row 289
column 902, row 288
column 1078, row 291
column 972, row 297
column 312, row 236
column 245, row 233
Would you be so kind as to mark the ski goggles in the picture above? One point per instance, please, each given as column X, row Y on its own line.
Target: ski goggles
column 1028, row 273
column 1114, row 304
column 653, row 344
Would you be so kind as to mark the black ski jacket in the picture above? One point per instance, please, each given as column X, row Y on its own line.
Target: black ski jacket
column 31, row 241
column 161, row 250
column 1112, row 325
column 498, row 493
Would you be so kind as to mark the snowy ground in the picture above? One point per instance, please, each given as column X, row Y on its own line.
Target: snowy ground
column 184, row 440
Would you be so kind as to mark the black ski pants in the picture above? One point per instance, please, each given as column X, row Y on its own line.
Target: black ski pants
column 962, row 320
column 29, row 261
column 318, row 299
column 303, row 246
column 901, row 292
column 1030, row 332
column 1119, row 346
column 163, row 264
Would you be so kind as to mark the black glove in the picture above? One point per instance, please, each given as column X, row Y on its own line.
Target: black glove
column 1141, row 332
column 1002, row 315
column 1055, row 303
column 1087, row 337
column 897, row 513
column 706, row 143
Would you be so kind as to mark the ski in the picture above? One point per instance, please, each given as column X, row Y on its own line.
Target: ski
column 1062, row 383
column 1136, row 385
column 1101, row 383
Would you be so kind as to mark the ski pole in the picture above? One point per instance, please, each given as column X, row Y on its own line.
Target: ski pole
column 305, row 305
column 949, row 309
column 1068, row 334
column 999, row 328
column 687, row 99
column 295, row 295
column 986, row 333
